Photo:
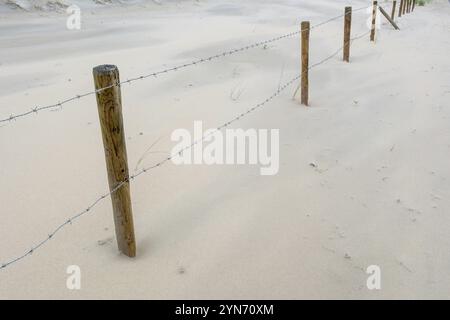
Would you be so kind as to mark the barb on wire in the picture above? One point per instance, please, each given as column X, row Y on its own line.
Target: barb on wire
column 338, row 17
column 36, row 109
column 159, row 164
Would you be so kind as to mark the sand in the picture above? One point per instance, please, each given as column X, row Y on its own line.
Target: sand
column 364, row 176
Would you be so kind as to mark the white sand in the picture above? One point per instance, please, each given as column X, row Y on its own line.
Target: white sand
column 378, row 131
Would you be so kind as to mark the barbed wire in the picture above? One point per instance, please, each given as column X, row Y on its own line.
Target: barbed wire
column 59, row 104
column 340, row 49
column 335, row 53
column 159, row 164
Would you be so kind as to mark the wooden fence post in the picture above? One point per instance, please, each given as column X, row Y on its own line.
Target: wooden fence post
column 305, row 62
column 374, row 17
column 386, row 15
column 109, row 102
column 394, row 5
column 347, row 32
column 400, row 9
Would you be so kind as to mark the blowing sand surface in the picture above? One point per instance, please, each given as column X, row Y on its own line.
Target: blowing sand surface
column 364, row 176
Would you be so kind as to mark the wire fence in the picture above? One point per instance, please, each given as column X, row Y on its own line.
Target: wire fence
column 148, row 169
column 59, row 104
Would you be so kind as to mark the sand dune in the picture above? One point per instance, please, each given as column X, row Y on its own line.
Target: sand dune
column 364, row 176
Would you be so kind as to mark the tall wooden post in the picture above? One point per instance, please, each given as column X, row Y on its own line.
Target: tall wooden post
column 347, row 32
column 109, row 102
column 394, row 5
column 374, row 17
column 305, row 62
column 400, row 9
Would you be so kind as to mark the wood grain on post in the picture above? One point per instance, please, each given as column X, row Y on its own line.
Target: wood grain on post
column 374, row 18
column 347, row 32
column 305, row 29
column 394, row 5
column 400, row 9
column 109, row 102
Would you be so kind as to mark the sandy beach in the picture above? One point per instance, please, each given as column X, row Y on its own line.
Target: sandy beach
column 363, row 177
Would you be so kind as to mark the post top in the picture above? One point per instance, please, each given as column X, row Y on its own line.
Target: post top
column 305, row 26
column 105, row 69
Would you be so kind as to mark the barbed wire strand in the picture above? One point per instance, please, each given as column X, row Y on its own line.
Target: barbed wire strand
column 59, row 104
column 159, row 164
column 334, row 54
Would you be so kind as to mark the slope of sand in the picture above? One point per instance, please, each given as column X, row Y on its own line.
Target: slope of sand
column 364, row 176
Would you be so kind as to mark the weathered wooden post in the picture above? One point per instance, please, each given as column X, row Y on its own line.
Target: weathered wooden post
column 394, row 5
column 400, row 9
column 374, row 17
column 347, row 32
column 305, row 62
column 109, row 102
column 386, row 15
